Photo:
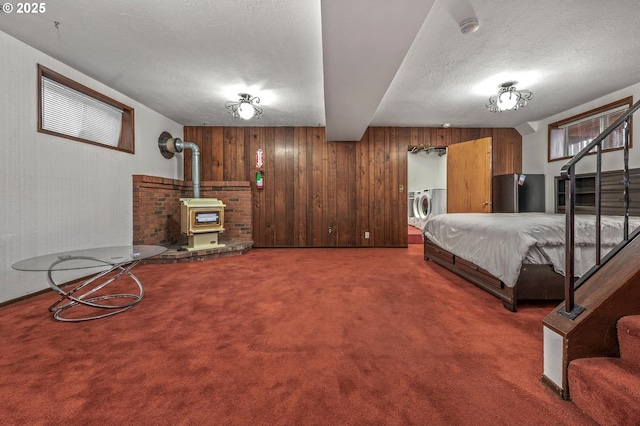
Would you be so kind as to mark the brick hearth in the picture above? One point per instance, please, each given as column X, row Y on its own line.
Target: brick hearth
column 156, row 216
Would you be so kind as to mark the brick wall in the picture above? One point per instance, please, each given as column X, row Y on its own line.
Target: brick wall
column 156, row 209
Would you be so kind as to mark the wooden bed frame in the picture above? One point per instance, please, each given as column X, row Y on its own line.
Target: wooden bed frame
column 540, row 282
column 535, row 282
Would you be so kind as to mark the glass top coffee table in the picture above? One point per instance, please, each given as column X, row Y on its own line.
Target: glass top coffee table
column 98, row 295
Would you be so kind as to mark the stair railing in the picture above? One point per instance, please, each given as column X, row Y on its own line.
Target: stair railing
column 568, row 173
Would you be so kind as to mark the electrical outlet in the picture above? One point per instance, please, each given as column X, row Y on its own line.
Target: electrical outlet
column 366, row 234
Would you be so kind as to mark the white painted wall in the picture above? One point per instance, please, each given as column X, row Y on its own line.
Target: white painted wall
column 534, row 145
column 58, row 194
column 426, row 171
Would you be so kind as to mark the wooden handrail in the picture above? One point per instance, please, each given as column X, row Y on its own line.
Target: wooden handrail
column 567, row 173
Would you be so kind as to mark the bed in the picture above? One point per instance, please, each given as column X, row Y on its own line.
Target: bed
column 516, row 256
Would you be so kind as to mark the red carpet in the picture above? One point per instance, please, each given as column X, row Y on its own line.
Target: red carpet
column 415, row 235
column 608, row 389
column 285, row 337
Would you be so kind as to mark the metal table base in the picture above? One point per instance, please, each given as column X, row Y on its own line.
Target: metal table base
column 96, row 296
column 91, row 286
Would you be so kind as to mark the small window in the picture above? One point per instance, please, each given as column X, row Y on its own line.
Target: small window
column 71, row 110
column 568, row 137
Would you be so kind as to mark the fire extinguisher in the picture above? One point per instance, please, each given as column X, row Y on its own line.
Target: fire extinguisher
column 259, row 180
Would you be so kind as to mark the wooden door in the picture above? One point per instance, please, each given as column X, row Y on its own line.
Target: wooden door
column 469, row 177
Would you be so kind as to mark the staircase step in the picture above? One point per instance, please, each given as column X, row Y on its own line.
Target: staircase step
column 629, row 339
column 606, row 389
column 415, row 235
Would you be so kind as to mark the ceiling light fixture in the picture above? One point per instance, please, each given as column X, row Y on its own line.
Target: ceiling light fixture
column 245, row 108
column 469, row 26
column 508, row 98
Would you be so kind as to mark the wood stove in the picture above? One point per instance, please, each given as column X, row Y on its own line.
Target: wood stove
column 201, row 219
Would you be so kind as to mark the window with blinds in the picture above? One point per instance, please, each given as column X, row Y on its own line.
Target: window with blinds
column 568, row 137
column 71, row 110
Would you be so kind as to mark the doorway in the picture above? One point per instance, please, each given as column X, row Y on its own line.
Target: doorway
column 426, row 169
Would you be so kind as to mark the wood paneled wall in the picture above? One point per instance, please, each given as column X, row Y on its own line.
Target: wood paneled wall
column 319, row 193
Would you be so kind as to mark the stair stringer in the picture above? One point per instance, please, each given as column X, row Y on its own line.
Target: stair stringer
column 611, row 293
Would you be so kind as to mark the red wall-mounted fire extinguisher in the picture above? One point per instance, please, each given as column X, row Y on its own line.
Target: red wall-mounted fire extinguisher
column 259, row 163
column 259, row 179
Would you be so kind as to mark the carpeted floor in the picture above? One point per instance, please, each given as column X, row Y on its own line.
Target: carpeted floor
column 285, row 337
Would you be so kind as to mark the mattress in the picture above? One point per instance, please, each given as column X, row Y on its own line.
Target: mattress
column 501, row 242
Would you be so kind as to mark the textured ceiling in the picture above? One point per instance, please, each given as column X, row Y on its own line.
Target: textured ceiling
column 346, row 64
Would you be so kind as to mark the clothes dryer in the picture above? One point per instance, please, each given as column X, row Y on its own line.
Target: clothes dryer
column 430, row 203
column 422, row 208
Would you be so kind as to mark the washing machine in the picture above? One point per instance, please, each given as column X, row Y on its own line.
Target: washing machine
column 413, row 217
column 421, row 208
column 430, row 203
column 412, row 197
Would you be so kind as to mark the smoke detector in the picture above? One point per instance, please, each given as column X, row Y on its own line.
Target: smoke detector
column 470, row 25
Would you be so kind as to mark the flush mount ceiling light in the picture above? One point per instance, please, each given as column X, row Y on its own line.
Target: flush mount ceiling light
column 469, row 26
column 508, row 98
column 245, row 108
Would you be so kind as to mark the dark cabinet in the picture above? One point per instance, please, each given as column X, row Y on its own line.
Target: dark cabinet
column 585, row 194
column 611, row 193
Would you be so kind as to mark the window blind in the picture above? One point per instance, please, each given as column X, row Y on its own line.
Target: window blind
column 610, row 112
column 72, row 113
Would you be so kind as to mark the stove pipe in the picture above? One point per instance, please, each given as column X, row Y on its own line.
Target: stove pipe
column 169, row 145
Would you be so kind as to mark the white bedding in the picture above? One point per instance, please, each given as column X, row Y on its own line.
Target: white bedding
column 501, row 242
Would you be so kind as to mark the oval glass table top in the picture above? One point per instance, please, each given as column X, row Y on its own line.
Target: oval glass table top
column 89, row 258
